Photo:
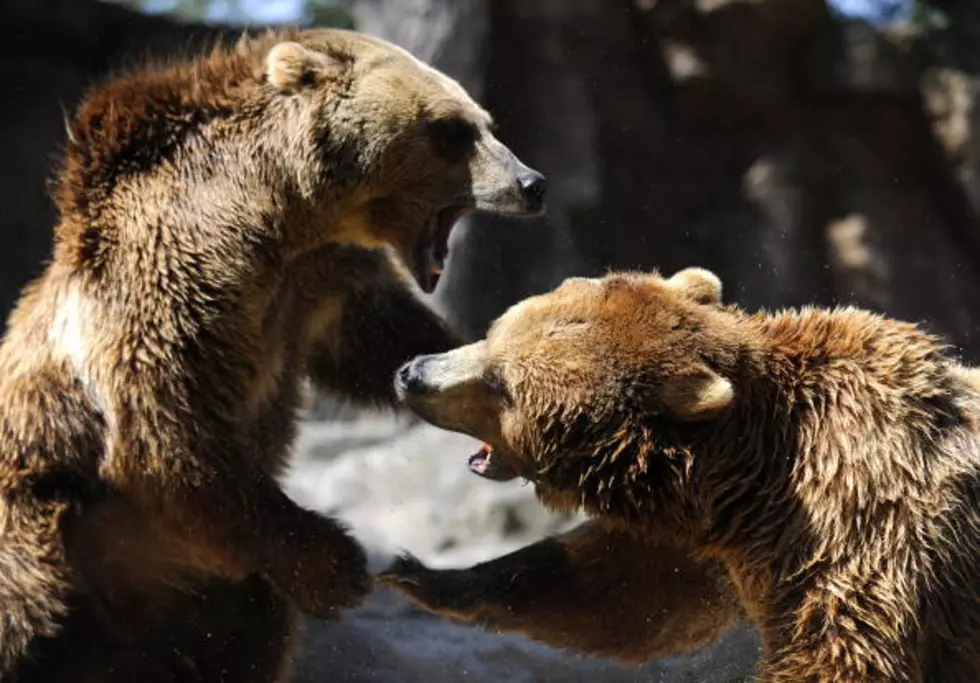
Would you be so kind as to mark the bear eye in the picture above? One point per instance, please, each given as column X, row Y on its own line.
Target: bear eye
column 566, row 327
column 454, row 138
column 495, row 383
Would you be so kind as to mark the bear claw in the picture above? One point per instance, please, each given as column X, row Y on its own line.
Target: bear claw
column 403, row 570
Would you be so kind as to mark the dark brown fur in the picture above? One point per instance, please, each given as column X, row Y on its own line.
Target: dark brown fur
column 229, row 227
column 597, row 589
column 829, row 460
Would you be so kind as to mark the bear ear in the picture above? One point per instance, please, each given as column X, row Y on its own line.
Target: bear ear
column 697, row 394
column 292, row 68
column 698, row 284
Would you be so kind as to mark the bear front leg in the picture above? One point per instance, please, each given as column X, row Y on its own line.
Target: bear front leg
column 313, row 559
column 244, row 632
column 235, row 521
column 592, row 590
column 847, row 630
column 216, row 632
column 382, row 324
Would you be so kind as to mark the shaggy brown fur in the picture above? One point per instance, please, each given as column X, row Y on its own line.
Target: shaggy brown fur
column 829, row 460
column 226, row 231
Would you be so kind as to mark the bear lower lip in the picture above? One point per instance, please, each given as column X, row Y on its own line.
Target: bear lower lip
column 490, row 466
column 480, row 462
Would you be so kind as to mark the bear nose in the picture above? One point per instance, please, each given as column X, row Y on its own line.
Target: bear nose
column 409, row 381
column 533, row 187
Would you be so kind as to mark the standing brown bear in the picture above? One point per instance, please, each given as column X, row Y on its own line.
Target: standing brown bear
column 815, row 470
column 229, row 226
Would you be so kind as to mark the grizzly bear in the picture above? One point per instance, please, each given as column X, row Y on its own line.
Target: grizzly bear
column 231, row 225
column 816, row 471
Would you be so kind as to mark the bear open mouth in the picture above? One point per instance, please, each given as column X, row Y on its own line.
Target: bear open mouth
column 433, row 245
column 490, row 465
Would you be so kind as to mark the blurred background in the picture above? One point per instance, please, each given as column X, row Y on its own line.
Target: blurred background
column 807, row 151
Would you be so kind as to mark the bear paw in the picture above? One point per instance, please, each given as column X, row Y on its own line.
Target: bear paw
column 329, row 577
column 450, row 593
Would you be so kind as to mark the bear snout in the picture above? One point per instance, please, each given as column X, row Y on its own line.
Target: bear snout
column 533, row 189
column 410, row 379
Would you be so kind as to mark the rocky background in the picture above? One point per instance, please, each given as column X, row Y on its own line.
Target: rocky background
column 804, row 159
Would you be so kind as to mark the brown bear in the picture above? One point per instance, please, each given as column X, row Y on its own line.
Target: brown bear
column 817, row 471
column 231, row 225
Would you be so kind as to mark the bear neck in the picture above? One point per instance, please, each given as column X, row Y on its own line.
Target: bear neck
column 635, row 475
column 215, row 325
column 813, row 461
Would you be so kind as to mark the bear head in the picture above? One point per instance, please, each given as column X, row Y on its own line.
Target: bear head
column 596, row 376
column 306, row 137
